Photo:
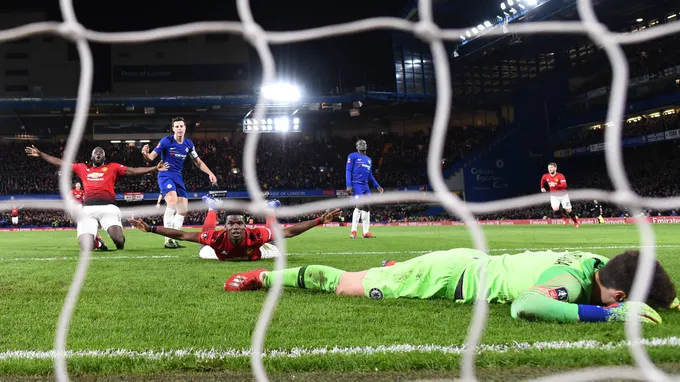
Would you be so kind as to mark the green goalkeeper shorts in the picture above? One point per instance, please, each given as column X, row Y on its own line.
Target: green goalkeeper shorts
column 433, row 275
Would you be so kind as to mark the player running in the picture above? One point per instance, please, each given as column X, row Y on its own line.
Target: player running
column 558, row 286
column 174, row 149
column 100, row 197
column 597, row 211
column 236, row 242
column 78, row 194
column 357, row 174
column 557, row 184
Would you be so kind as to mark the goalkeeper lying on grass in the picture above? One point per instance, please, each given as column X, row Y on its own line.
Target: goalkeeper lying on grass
column 561, row 286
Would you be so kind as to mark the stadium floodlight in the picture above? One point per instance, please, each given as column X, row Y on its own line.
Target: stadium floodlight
column 269, row 121
column 264, row 121
column 130, row 141
column 503, row 6
column 145, row 141
column 672, row 16
column 511, row 3
column 462, row 37
column 639, row 20
column 281, row 92
column 467, row 33
column 532, row 2
column 499, row 18
column 296, row 127
column 296, row 121
column 487, row 24
column 521, row 6
column 480, row 27
column 513, row 11
column 115, row 141
column 475, row 31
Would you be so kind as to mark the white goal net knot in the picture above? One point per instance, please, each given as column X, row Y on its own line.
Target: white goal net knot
column 431, row 34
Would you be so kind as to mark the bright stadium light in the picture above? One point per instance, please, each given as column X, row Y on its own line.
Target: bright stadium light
column 532, row 2
column 521, row 6
column 639, row 20
column 487, row 24
column 264, row 121
column 296, row 127
column 511, row 3
column 130, row 141
column 503, row 6
column 145, row 141
column 115, row 141
column 480, row 27
column 462, row 37
column 269, row 121
column 475, row 31
column 281, row 92
column 296, row 121
column 467, row 33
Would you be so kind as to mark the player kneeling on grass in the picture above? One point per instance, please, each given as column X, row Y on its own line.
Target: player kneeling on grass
column 560, row 286
column 236, row 242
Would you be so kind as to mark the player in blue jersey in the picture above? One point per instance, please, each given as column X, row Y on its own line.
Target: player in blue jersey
column 174, row 149
column 357, row 174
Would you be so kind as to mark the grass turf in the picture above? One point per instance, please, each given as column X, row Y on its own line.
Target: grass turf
column 148, row 298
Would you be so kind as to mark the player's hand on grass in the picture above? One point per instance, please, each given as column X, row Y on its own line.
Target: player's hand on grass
column 162, row 166
column 542, row 189
column 140, row 224
column 381, row 190
column 32, row 151
column 213, row 179
column 349, row 190
column 619, row 312
column 328, row 216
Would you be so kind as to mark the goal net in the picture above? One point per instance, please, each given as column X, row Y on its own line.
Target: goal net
column 431, row 34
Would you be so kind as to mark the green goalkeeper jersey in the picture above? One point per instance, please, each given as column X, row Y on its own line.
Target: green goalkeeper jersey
column 540, row 284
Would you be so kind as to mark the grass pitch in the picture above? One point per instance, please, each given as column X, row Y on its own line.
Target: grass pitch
column 165, row 310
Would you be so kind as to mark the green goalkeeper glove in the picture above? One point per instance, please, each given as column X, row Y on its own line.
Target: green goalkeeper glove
column 617, row 313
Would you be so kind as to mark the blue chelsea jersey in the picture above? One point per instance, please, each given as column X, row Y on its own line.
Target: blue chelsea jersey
column 174, row 153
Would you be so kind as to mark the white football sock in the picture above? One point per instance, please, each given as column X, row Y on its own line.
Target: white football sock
column 168, row 219
column 366, row 220
column 178, row 221
column 355, row 219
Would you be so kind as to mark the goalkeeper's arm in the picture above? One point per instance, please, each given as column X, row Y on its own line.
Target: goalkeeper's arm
column 553, row 300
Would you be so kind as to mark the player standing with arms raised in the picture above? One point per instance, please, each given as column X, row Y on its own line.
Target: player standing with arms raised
column 15, row 214
column 357, row 174
column 100, row 196
column 557, row 184
column 173, row 150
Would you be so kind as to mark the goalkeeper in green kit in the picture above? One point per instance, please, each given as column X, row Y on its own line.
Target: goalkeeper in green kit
column 558, row 286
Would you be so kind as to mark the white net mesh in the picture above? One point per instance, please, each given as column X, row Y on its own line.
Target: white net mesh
column 430, row 33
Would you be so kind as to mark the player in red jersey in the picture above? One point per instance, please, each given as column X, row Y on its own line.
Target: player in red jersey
column 557, row 184
column 15, row 214
column 236, row 242
column 78, row 193
column 99, row 197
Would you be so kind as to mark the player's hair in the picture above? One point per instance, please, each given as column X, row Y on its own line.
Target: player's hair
column 620, row 271
column 177, row 119
column 552, row 164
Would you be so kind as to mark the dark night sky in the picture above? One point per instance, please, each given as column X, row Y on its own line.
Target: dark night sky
column 360, row 58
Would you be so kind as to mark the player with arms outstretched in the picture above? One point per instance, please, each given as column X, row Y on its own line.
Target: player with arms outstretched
column 235, row 242
column 173, row 149
column 357, row 174
column 555, row 286
column 557, row 184
column 99, row 206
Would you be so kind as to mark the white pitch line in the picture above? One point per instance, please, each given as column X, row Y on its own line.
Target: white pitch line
column 215, row 354
column 491, row 250
column 63, row 258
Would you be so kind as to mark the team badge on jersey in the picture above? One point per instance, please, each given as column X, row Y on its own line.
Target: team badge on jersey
column 204, row 235
column 105, row 169
column 559, row 294
column 375, row 294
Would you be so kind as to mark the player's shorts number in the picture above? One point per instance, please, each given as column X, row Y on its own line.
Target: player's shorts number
column 92, row 216
column 556, row 201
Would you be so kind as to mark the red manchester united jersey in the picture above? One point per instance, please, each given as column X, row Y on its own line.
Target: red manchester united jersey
column 15, row 212
column 556, row 183
column 249, row 249
column 98, row 182
column 77, row 195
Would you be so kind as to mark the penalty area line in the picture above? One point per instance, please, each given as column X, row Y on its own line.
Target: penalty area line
column 215, row 354
column 71, row 258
